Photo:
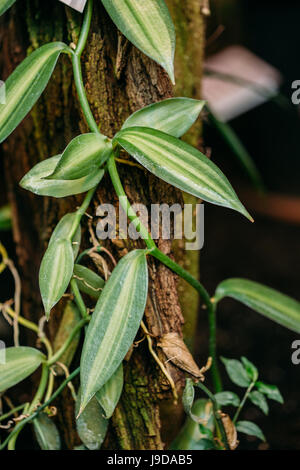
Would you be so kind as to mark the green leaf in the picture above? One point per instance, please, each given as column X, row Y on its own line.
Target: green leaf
column 258, row 399
column 88, row 281
column 71, row 316
column 46, row 433
column 271, row 391
column 109, row 395
column 84, row 155
column 5, row 5
column 55, row 272
column 188, row 399
column 227, row 398
column 5, row 218
column 148, row 25
column 203, row 444
column 190, row 432
column 173, row 116
column 272, row 304
column 179, row 164
column 250, row 369
column 114, row 323
column 91, row 424
column 20, row 362
column 26, row 84
column 63, row 229
column 36, row 182
column 238, row 149
column 251, row 429
column 236, row 372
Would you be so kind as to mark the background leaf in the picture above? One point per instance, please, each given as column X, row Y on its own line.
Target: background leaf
column 114, row 323
column 36, row 182
column 84, row 155
column 20, row 362
column 188, row 399
column 148, row 25
column 236, row 372
column 250, row 369
column 173, row 116
column 269, row 302
column 259, row 400
column 5, row 218
column 26, row 84
column 109, row 395
column 71, row 316
column 55, row 272
column 271, row 391
column 88, row 282
column 5, row 5
column 227, row 398
column 251, row 429
column 91, row 424
column 46, row 433
column 63, row 229
column 179, row 164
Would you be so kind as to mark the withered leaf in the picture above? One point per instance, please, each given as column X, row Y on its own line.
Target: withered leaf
column 230, row 430
column 177, row 352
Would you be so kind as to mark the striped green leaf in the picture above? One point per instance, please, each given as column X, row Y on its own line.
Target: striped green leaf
column 109, row 395
column 84, row 155
column 272, row 304
column 88, row 282
column 5, row 5
column 46, row 433
column 36, row 182
column 26, row 84
column 19, row 363
column 114, row 323
column 173, row 116
column 55, row 272
column 148, row 25
column 179, row 164
column 91, row 424
column 63, row 230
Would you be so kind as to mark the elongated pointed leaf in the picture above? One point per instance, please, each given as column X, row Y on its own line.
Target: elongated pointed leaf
column 109, row 395
column 188, row 399
column 114, row 323
column 236, row 371
column 148, row 25
column 46, row 433
column 19, row 363
column 88, row 281
column 258, row 399
column 250, row 369
column 26, row 84
column 227, row 398
column 63, row 230
column 84, row 155
column 36, row 182
column 55, row 272
column 5, row 5
column 179, row 164
column 173, row 116
column 70, row 318
column 272, row 304
column 271, row 391
column 251, row 429
column 91, row 424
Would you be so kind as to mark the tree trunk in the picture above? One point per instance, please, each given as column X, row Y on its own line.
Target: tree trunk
column 119, row 80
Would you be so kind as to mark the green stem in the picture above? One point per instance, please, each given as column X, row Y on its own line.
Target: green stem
column 81, row 211
column 238, row 411
column 12, row 412
column 67, row 343
column 77, row 68
column 217, row 414
column 20, row 426
column 36, row 400
column 78, row 299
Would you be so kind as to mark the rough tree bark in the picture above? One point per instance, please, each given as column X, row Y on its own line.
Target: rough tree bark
column 119, row 80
